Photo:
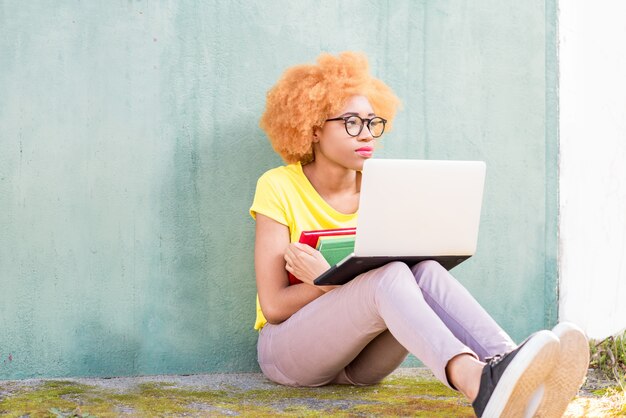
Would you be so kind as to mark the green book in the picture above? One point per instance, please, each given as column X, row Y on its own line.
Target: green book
column 334, row 249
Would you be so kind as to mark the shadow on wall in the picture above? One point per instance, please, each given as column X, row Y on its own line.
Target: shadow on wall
column 201, row 315
column 103, row 352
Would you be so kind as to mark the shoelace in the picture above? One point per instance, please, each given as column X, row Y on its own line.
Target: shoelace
column 494, row 360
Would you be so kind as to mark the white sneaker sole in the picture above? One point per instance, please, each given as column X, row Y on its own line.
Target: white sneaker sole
column 523, row 376
column 569, row 372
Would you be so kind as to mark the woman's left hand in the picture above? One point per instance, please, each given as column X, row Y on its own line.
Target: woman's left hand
column 306, row 263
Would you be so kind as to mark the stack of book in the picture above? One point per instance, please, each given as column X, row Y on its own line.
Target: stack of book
column 334, row 244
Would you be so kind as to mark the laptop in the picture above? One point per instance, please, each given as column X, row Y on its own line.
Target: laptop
column 411, row 211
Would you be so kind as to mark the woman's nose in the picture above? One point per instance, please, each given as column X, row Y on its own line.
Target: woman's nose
column 365, row 134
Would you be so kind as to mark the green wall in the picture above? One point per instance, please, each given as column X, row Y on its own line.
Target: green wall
column 130, row 149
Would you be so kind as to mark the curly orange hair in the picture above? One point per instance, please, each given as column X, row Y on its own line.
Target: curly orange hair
column 306, row 95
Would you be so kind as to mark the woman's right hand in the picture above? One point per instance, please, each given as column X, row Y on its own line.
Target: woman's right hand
column 306, row 263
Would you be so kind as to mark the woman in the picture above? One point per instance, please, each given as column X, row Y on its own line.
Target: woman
column 324, row 120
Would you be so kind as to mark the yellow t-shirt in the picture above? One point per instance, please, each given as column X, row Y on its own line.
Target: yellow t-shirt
column 286, row 195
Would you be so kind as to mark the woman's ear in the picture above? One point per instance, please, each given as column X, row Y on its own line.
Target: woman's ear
column 317, row 131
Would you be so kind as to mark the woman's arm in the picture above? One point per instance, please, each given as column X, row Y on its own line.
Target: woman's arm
column 271, row 250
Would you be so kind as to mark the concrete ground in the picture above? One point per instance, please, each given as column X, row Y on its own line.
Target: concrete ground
column 407, row 392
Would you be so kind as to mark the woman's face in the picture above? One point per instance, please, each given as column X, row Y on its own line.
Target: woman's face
column 333, row 144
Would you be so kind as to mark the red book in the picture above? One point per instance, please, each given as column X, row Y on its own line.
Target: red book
column 310, row 238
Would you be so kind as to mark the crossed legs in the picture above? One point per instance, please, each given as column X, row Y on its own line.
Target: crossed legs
column 362, row 331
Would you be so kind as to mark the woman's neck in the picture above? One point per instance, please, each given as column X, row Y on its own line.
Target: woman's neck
column 331, row 179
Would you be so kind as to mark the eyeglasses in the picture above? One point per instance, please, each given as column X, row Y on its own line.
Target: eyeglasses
column 354, row 125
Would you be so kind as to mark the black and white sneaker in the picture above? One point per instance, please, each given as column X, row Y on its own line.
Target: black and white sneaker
column 511, row 384
column 569, row 372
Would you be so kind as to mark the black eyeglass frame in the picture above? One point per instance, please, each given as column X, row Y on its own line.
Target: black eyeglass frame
column 345, row 124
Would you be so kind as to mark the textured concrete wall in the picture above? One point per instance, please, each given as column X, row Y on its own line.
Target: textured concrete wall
column 593, row 165
column 129, row 152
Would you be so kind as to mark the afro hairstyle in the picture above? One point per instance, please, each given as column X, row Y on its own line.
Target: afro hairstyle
column 305, row 96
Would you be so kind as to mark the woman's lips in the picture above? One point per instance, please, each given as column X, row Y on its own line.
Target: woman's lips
column 365, row 151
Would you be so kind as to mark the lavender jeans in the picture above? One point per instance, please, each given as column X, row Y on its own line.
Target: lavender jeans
column 361, row 332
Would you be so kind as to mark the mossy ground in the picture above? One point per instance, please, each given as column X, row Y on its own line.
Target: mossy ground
column 417, row 394
column 396, row 396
